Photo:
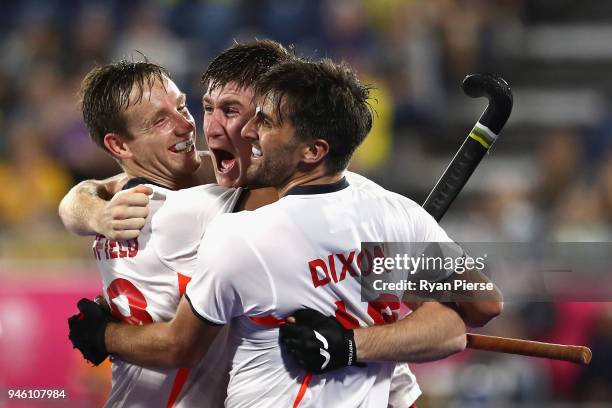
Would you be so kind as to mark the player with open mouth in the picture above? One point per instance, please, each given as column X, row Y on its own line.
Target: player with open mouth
column 226, row 111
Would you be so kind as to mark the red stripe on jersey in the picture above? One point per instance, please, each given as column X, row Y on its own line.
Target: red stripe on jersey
column 182, row 283
column 177, row 386
column 302, row 390
column 346, row 320
column 268, row 321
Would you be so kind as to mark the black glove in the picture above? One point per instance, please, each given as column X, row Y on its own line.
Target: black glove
column 319, row 343
column 87, row 330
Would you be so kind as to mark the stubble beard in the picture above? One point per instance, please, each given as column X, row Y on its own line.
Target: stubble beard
column 265, row 174
column 270, row 173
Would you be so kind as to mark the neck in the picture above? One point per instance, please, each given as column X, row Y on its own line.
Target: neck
column 317, row 176
column 172, row 183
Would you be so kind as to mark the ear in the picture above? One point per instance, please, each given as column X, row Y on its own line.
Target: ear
column 117, row 146
column 315, row 151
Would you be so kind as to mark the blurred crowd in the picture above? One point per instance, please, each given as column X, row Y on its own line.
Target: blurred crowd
column 549, row 176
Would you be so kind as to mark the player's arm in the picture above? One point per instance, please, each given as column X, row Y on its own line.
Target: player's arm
column 82, row 201
column 182, row 342
column 477, row 307
column 477, row 313
column 92, row 207
column 179, row 343
column 430, row 333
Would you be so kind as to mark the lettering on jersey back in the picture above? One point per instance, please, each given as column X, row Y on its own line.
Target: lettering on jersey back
column 353, row 263
column 104, row 248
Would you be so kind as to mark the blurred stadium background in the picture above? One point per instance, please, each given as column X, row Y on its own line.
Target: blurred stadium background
column 549, row 176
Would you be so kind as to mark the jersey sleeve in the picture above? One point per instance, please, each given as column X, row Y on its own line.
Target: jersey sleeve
column 422, row 237
column 404, row 389
column 427, row 228
column 442, row 246
column 180, row 223
column 231, row 280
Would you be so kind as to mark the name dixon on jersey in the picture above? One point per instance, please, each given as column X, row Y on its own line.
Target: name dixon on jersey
column 336, row 267
column 104, row 248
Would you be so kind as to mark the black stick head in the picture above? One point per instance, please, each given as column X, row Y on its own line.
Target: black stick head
column 499, row 94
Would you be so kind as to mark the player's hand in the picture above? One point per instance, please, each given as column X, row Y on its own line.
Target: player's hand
column 87, row 330
column 319, row 343
column 125, row 214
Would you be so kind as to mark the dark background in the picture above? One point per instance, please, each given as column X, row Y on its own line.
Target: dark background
column 549, row 176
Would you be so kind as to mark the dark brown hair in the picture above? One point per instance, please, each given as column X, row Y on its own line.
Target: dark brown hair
column 244, row 63
column 323, row 100
column 105, row 95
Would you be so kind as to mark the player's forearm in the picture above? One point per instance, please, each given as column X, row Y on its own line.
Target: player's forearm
column 432, row 332
column 482, row 305
column 152, row 345
column 182, row 342
column 80, row 209
column 478, row 314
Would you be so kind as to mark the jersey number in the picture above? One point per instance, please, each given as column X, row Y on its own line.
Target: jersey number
column 384, row 309
column 127, row 302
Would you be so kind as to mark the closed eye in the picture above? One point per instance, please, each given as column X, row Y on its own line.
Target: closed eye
column 263, row 119
column 230, row 111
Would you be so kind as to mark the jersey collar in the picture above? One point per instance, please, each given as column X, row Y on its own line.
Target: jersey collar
column 319, row 188
column 136, row 181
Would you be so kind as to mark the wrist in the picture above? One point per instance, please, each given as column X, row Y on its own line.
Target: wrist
column 109, row 333
column 359, row 341
column 95, row 215
column 351, row 348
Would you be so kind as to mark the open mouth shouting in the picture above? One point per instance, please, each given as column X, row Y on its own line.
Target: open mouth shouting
column 184, row 146
column 225, row 161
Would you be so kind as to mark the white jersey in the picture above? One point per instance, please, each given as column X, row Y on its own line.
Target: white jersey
column 257, row 267
column 143, row 281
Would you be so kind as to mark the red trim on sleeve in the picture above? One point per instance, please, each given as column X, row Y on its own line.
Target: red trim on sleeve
column 302, row 390
column 182, row 283
column 268, row 321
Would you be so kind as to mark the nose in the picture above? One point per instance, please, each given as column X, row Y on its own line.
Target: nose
column 213, row 127
column 249, row 130
column 184, row 123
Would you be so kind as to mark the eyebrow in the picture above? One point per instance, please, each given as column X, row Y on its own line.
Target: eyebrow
column 261, row 115
column 224, row 102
